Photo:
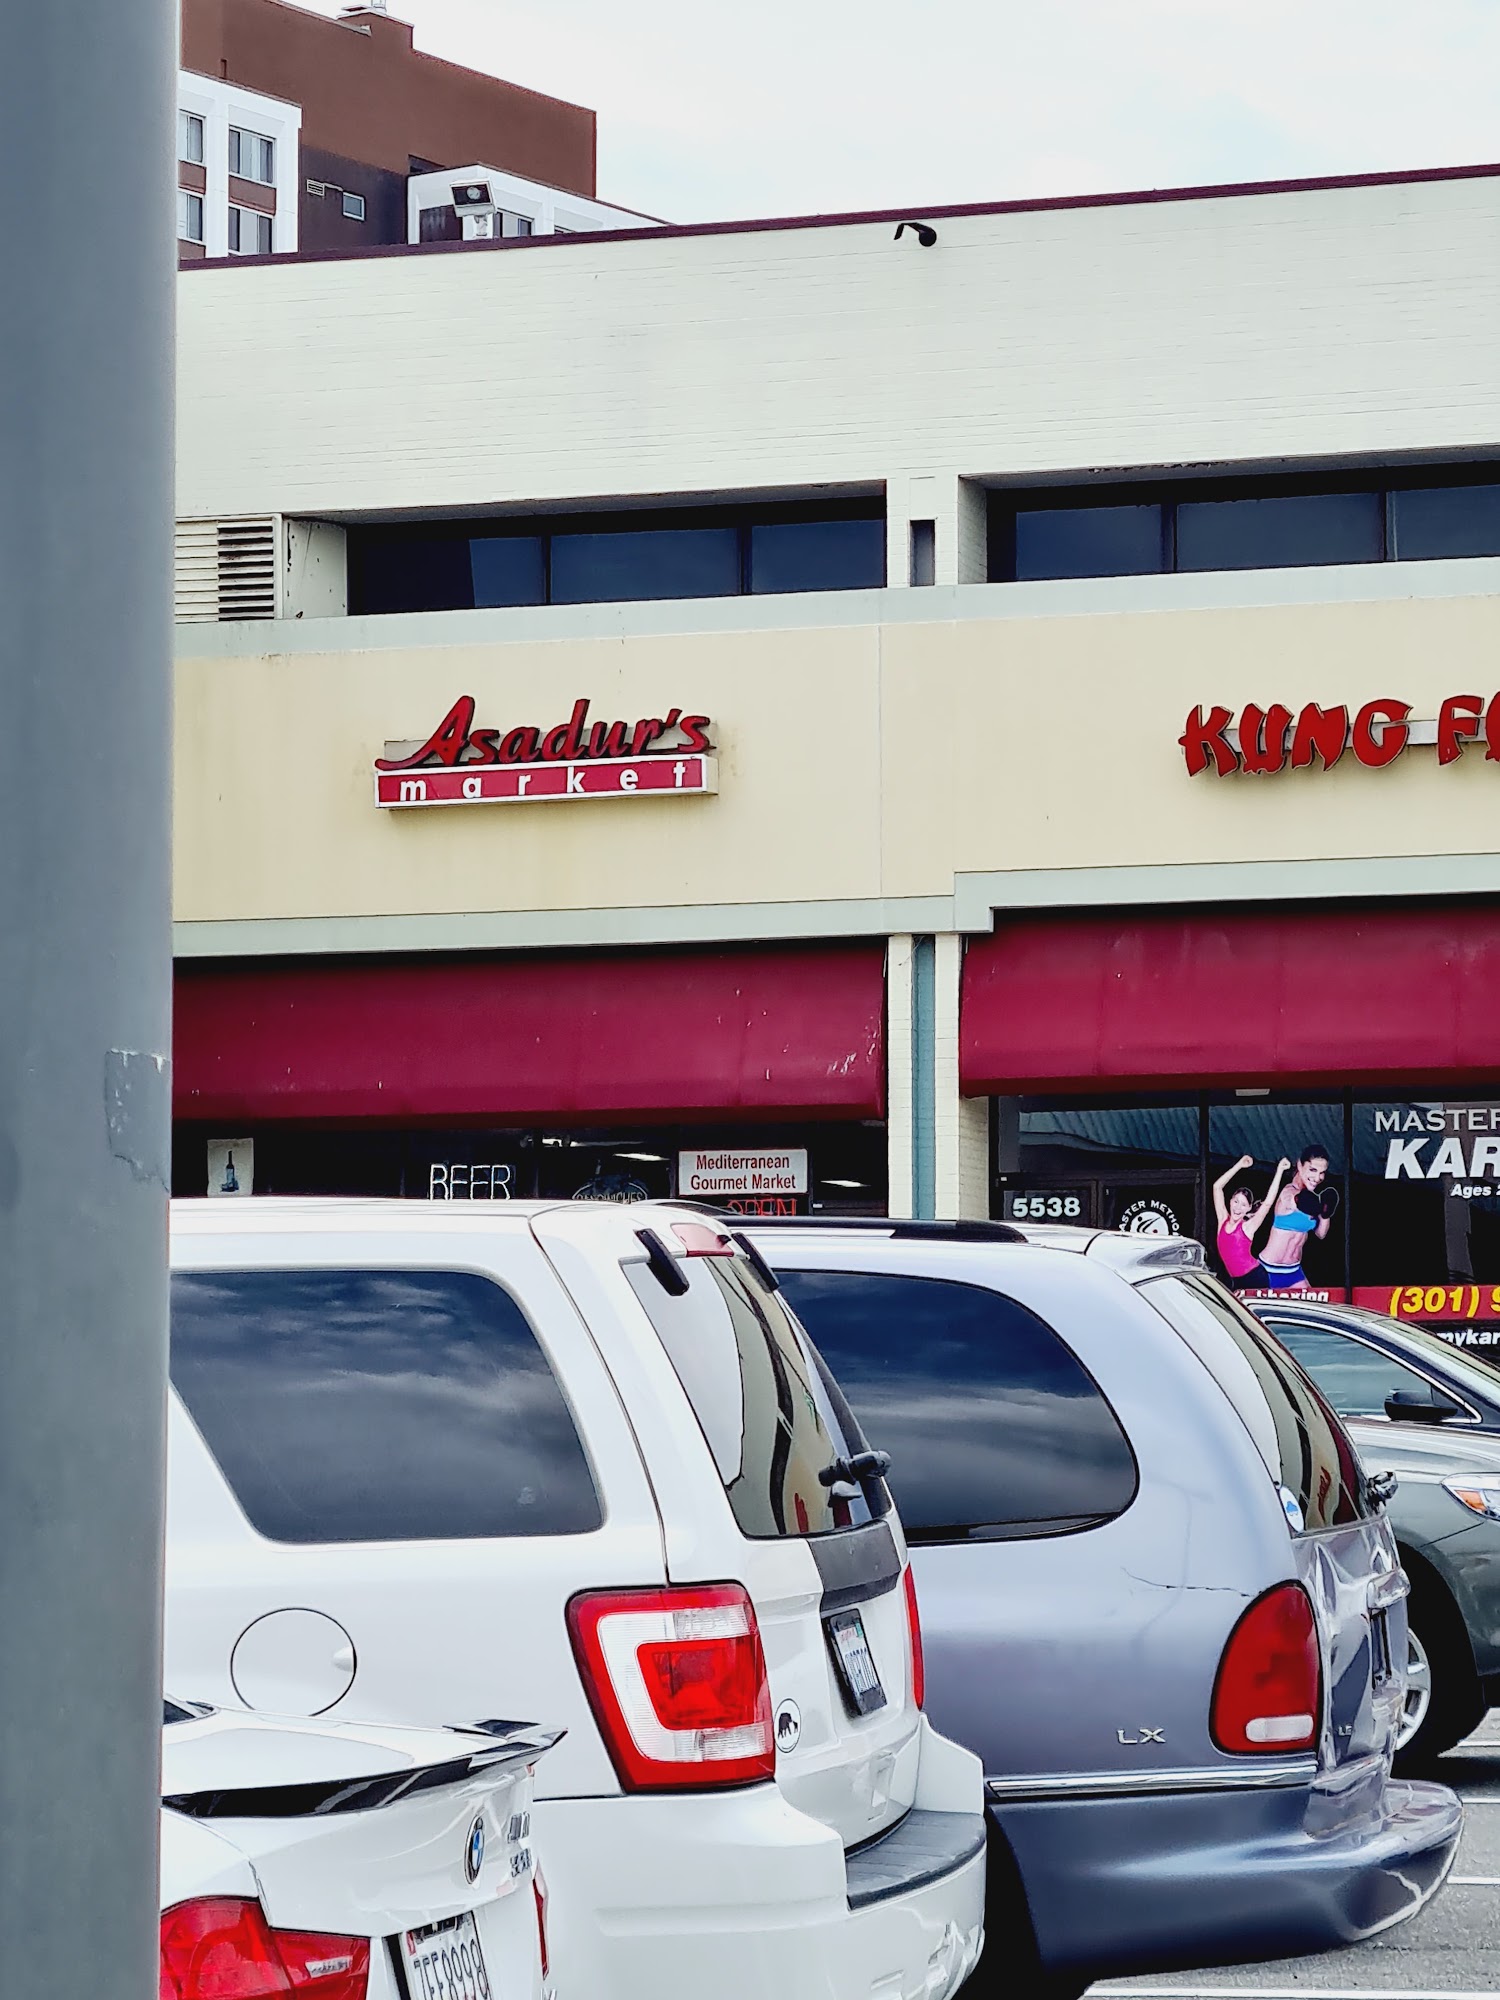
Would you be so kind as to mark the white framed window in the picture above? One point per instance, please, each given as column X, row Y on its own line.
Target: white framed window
column 249, row 232
column 252, row 157
column 354, row 207
column 189, row 217
column 190, row 137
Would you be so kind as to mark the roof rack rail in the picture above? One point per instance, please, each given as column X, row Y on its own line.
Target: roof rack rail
column 903, row 1229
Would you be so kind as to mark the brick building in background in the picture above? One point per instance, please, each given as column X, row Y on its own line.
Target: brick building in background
column 301, row 132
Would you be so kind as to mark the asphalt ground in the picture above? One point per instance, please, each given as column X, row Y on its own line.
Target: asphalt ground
column 1451, row 1948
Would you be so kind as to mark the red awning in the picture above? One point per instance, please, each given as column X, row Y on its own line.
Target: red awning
column 569, row 1039
column 1304, row 995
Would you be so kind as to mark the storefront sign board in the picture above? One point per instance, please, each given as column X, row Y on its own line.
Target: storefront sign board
column 668, row 755
column 611, row 778
column 713, row 1175
column 1271, row 739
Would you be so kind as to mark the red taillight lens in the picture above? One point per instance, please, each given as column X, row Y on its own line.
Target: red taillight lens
column 914, row 1636
column 539, row 1892
column 222, row 1948
column 677, row 1683
column 1269, row 1692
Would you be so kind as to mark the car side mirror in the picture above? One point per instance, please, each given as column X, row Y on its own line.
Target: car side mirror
column 1380, row 1488
column 1405, row 1406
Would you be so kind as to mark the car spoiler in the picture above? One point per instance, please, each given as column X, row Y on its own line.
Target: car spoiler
column 505, row 1744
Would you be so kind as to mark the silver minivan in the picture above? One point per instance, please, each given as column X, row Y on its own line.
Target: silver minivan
column 1160, row 1598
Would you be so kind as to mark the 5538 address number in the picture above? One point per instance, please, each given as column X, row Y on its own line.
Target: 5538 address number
column 1043, row 1207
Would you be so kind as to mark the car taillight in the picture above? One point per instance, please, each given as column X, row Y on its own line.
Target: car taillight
column 914, row 1636
column 222, row 1948
column 677, row 1683
column 1268, row 1695
column 539, row 1892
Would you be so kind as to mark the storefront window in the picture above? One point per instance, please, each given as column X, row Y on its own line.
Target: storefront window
column 1426, row 1211
column 1393, row 1203
column 1276, row 1213
column 834, row 1168
column 1122, row 1165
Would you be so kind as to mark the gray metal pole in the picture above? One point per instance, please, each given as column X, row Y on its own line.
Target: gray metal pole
column 86, row 248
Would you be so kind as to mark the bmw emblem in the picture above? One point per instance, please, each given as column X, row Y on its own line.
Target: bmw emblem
column 474, row 1852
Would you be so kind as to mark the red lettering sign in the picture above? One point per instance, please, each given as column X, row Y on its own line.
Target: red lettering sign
column 669, row 755
column 456, row 743
column 1272, row 739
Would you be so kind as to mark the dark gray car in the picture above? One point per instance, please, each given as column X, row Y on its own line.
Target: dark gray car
column 1412, row 1393
column 1446, row 1514
column 1131, row 1514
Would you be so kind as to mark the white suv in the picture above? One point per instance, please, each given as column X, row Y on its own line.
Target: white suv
column 578, row 1463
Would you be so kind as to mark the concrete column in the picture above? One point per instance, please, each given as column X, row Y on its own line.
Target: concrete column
column 961, row 1125
column 958, row 511
column 86, row 131
column 938, row 1141
column 898, row 1058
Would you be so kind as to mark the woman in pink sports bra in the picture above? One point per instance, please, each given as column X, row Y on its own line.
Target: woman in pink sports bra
column 1239, row 1217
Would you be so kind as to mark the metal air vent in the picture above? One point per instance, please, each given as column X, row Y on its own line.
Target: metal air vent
column 226, row 570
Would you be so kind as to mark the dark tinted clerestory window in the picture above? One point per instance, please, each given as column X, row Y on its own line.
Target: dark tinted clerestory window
column 369, row 1406
column 1087, row 541
column 645, row 563
column 995, row 1428
column 1430, row 521
column 817, row 555
column 1282, row 531
column 719, row 551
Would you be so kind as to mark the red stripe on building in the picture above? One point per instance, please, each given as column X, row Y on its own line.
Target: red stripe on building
column 1303, row 995
column 564, row 1038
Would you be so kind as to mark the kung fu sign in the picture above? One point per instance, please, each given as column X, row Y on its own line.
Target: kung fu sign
column 658, row 756
column 1262, row 740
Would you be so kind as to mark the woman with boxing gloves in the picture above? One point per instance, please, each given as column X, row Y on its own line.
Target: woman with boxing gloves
column 1240, row 1215
column 1305, row 1207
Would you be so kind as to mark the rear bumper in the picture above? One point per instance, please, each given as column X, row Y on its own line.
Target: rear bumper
column 1158, row 1883
column 739, row 1895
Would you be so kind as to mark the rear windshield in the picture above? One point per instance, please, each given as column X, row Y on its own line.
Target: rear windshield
column 779, row 1430
column 1305, row 1447
column 372, row 1406
column 996, row 1430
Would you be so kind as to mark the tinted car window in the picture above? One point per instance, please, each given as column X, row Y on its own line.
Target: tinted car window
column 1305, row 1447
column 770, row 1412
column 368, row 1406
column 1355, row 1378
column 993, row 1425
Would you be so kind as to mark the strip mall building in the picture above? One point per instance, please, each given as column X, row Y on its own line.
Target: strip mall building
column 808, row 716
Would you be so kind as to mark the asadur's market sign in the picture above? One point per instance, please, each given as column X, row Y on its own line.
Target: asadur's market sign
column 657, row 756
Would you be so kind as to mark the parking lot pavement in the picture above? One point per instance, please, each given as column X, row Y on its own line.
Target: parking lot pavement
column 1450, row 1949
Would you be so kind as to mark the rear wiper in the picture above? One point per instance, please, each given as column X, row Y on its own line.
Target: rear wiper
column 854, row 1471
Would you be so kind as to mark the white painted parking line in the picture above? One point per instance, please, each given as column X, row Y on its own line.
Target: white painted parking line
column 1474, row 1881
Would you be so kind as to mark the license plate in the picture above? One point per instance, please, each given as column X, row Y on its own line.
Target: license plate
column 858, row 1674
column 444, row 1961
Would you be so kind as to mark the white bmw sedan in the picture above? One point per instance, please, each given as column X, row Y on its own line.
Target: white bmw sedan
column 343, row 1862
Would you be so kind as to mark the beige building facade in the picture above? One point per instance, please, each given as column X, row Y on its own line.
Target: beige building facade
column 929, row 572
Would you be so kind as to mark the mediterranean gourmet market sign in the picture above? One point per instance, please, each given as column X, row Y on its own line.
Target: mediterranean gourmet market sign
column 1274, row 739
column 661, row 756
column 714, row 1174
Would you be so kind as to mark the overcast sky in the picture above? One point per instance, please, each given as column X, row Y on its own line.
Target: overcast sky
column 708, row 109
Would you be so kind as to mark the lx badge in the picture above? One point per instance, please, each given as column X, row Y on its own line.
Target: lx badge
column 1145, row 1736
